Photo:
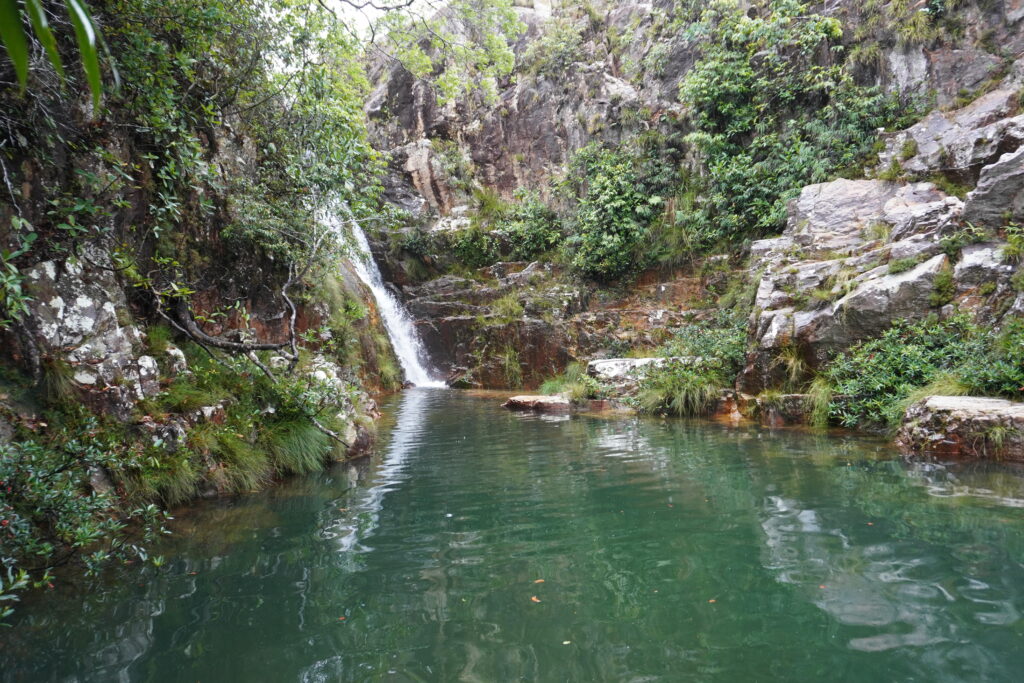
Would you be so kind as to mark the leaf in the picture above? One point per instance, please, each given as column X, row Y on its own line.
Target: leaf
column 13, row 35
column 44, row 34
column 85, row 33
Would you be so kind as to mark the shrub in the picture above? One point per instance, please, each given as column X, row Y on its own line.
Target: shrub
column 688, row 387
column 999, row 371
column 556, row 50
column 612, row 218
column 533, row 230
column 575, row 383
column 49, row 515
column 1013, row 250
column 969, row 234
column 474, row 247
column 870, row 381
column 769, row 117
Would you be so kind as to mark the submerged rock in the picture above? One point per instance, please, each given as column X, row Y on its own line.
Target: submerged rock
column 964, row 426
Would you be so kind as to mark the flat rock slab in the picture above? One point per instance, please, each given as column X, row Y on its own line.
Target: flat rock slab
column 539, row 404
column 618, row 369
column 964, row 426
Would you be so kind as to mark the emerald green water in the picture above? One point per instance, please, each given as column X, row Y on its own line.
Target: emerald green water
column 668, row 550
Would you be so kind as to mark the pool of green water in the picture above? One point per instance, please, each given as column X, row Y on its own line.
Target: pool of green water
column 483, row 545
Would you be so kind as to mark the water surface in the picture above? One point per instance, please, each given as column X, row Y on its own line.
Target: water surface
column 482, row 545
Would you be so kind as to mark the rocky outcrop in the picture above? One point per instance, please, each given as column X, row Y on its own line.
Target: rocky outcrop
column 826, row 283
column 79, row 316
column 964, row 426
column 622, row 376
column 857, row 255
column 610, row 89
column 998, row 200
column 961, row 142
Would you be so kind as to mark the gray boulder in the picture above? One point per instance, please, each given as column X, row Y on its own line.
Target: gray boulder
column 961, row 142
column 79, row 314
column 999, row 197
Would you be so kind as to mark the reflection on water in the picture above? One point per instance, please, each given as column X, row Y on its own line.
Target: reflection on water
column 362, row 515
column 483, row 545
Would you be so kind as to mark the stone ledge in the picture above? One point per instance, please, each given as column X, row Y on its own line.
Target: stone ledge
column 964, row 426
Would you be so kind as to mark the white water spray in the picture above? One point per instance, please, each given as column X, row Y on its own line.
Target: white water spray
column 407, row 344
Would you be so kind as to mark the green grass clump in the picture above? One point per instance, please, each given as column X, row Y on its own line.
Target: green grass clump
column 902, row 265
column 511, row 367
column 295, row 445
column 575, row 383
column 679, row 389
column 943, row 289
column 507, row 308
column 909, row 149
column 714, row 350
column 158, row 338
column 183, row 396
column 950, row 187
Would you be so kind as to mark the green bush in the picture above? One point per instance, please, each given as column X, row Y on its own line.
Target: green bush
column 574, row 382
column 559, row 46
column 618, row 203
column 999, row 371
column 532, row 230
column 474, row 247
column 870, row 381
column 769, row 117
column 720, row 342
column 688, row 387
column 49, row 514
column 611, row 220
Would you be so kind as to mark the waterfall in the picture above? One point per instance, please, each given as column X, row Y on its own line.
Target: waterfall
column 406, row 342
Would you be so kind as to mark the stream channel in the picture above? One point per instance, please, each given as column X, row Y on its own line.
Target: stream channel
column 484, row 545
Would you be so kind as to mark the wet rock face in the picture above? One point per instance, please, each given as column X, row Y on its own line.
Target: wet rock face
column 964, row 426
column 527, row 322
column 79, row 315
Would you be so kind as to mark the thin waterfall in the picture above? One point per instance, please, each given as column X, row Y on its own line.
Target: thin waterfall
column 407, row 344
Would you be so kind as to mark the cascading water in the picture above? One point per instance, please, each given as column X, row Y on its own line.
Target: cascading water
column 407, row 344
